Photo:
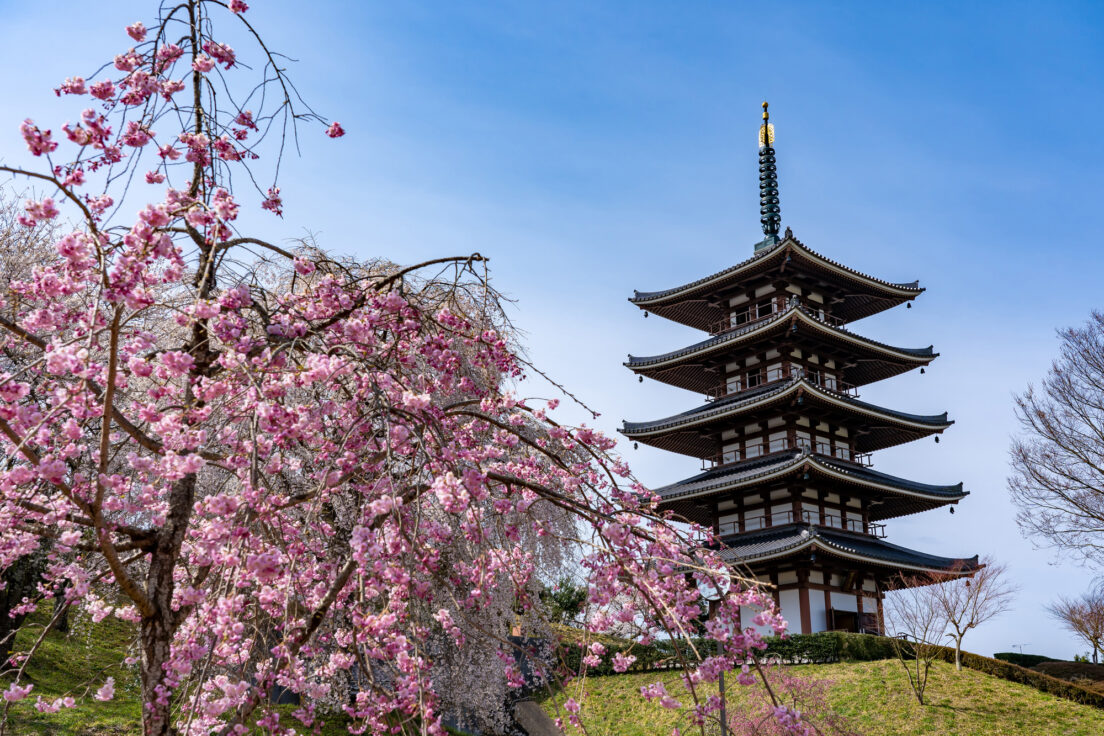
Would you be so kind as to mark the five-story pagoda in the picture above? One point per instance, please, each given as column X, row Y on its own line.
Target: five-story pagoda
column 784, row 440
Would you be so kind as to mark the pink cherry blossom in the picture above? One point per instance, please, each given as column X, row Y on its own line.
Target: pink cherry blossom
column 16, row 692
column 104, row 90
column 107, row 690
column 72, row 86
column 37, row 141
column 203, row 63
column 220, row 53
column 137, row 31
column 335, row 130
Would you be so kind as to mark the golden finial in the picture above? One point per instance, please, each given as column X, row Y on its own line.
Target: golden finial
column 766, row 130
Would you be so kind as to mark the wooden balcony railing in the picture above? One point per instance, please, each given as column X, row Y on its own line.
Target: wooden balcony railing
column 765, row 310
column 777, row 447
column 806, row 517
column 765, row 376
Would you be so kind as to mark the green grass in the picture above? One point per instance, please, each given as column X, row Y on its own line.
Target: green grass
column 76, row 664
column 873, row 696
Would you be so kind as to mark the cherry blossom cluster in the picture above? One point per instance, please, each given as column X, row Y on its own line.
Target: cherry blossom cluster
column 303, row 473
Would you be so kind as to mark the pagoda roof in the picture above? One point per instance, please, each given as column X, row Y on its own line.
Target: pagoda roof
column 874, row 361
column 694, row 432
column 896, row 496
column 864, row 295
column 791, row 540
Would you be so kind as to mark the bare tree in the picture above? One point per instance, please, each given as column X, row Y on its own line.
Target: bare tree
column 968, row 602
column 917, row 622
column 1084, row 616
column 1058, row 462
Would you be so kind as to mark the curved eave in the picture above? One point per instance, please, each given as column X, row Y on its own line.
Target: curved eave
column 687, row 303
column 896, row 496
column 686, row 368
column 693, row 432
column 809, row 538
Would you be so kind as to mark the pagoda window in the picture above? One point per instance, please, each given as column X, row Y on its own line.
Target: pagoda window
column 735, row 384
column 754, row 448
column 778, row 442
column 755, row 520
column 823, row 446
column 754, row 378
column 781, row 515
column 804, row 442
column 774, row 372
column 843, row 452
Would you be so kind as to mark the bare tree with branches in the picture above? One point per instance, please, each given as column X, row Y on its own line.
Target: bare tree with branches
column 968, row 602
column 918, row 623
column 1057, row 476
column 1084, row 616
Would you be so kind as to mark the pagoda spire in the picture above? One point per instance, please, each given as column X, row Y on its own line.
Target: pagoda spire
column 770, row 212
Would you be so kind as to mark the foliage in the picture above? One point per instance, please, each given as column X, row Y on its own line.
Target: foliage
column 290, row 469
column 1085, row 674
column 565, row 601
column 873, row 696
column 1023, row 660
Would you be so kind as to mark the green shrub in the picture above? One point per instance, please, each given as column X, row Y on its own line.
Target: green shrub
column 814, row 648
column 1023, row 660
column 865, row 647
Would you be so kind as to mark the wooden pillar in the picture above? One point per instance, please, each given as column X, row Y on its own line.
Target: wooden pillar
column 859, row 602
column 803, row 592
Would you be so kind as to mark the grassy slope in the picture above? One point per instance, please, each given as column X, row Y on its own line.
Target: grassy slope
column 77, row 664
column 874, row 696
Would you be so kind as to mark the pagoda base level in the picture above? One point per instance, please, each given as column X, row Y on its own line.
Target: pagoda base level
column 847, row 602
column 826, row 579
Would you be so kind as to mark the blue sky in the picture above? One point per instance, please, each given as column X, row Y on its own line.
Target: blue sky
column 593, row 148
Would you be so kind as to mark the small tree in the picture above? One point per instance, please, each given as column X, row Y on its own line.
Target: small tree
column 968, row 602
column 1058, row 462
column 1084, row 616
column 918, row 623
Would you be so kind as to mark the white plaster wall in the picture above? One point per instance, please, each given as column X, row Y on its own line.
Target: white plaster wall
column 844, row 602
column 791, row 610
column 818, row 614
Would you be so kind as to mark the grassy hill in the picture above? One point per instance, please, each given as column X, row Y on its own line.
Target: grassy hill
column 874, row 696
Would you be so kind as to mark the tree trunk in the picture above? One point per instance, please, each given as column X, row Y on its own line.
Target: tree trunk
column 156, row 635
column 158, row 628
column 958, row 654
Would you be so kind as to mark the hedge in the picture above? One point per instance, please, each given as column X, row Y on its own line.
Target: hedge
column 1024, row 676
column 829, row 646
column 1023, row 660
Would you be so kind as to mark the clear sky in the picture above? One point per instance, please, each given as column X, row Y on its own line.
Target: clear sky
column 590, row 148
